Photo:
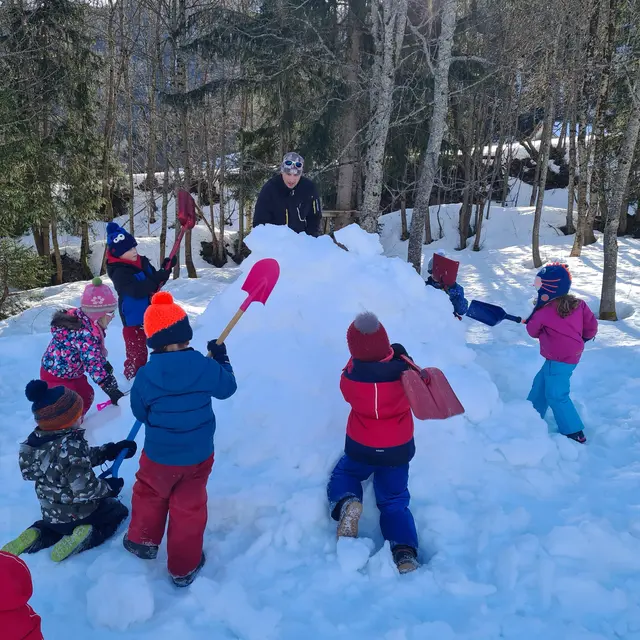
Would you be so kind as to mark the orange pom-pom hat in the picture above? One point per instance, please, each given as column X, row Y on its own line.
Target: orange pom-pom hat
column 165, row 322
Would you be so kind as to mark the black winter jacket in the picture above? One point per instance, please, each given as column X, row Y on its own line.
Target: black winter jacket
column 299, row 208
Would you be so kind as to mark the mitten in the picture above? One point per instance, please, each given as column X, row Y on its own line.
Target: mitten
column 112, row 449
column 110, row 386
column 399, row 351
column 169, row 263
column 218, row 352
column 116, row 485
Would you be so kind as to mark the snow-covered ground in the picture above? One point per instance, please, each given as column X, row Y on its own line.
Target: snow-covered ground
column 524, row 534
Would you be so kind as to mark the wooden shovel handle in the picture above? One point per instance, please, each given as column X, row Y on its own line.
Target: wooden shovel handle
column 227, row 329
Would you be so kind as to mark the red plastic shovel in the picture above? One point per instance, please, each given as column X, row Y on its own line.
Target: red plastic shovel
column 259, row 284
column 445, row 270
column 186, row 217
column 429, row 392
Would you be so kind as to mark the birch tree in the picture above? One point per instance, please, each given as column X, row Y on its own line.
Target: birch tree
column 437, row 124
column 615, row 206
column 388, row 22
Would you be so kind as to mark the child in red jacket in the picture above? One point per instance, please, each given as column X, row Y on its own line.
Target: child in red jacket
column 18, row 621
column 379, row 441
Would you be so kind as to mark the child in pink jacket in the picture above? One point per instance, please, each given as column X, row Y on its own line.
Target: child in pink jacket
column 563, row 324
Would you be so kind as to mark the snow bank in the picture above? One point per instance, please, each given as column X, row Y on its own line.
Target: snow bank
column 289, row 354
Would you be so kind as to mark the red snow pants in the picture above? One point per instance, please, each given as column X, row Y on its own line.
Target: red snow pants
column 135, row 343
column 80, row 385
column 180, row 492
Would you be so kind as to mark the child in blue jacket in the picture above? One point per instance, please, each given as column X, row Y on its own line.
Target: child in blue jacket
column 135, row 281
column 172, row 395
column 455, row 292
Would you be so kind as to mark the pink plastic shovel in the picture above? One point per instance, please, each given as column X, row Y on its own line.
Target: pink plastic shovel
column 103, row 405
column 259, row 284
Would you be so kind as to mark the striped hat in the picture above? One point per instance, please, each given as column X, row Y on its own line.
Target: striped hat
column 165, row 322
column 98, row 299
column 552, row 281
column 54, row 409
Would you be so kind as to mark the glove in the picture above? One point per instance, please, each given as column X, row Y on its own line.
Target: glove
column 169, row 263
column 112, row 449
column 115, row 484
column 398, row 351
column 110, row 387
column 218, row 352
column 108, row 367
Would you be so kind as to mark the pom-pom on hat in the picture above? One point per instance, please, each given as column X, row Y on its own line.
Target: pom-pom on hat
column 552, row 281
column 98, row 299
column 119, row 240
column 367, row 339
column 165, row 322
column 54, row 409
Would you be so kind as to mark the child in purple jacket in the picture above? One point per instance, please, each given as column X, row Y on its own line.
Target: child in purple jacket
column 563, row 324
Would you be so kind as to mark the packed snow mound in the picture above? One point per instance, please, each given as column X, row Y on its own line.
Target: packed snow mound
column 290, row 391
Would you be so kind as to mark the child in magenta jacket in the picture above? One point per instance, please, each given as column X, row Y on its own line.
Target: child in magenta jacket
column 563, row 324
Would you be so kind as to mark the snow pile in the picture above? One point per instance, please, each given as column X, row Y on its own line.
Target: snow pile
column 289, row 354
column 117, row 601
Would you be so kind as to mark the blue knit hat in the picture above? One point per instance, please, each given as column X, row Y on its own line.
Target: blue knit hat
column 119, row 241
column 552, row 281
column 53, row 408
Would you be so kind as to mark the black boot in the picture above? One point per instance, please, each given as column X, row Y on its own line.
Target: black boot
column 143, row 551
column 185, row 581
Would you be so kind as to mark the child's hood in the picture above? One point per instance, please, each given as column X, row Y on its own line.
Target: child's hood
column 15, row 582
column 176, row 371
column 67, row 320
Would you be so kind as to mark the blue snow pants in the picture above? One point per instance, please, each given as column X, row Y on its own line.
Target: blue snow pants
column 551, row 389
column 392, row 497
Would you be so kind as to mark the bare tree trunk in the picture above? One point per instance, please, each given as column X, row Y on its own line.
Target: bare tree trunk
column 132, row 207
column 221, row 179
column 584, row 154
column 572, row 172
column 429, row 168
column 85, row 250
column 479, row 218
column 151, row 151
column 599, row 127
column 388, row 22
column 349, row 134
column 404, row 234
column 56, row 249
column 615, row 209
column 543, row 159
column 536, row 177
column 165, row 204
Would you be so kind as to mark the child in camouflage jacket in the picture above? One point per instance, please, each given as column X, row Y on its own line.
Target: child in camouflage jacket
column 79, row 510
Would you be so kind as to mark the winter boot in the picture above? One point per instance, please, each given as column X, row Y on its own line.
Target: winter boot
column 185, row 581
column 350, row 513
column 78, row 541
column 578, row 436
column 143, row 551
column 405, row 558
column 27, row 542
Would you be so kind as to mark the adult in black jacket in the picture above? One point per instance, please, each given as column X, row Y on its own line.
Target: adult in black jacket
column 289, row 198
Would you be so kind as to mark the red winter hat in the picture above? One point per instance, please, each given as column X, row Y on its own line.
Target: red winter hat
column 367, row 339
